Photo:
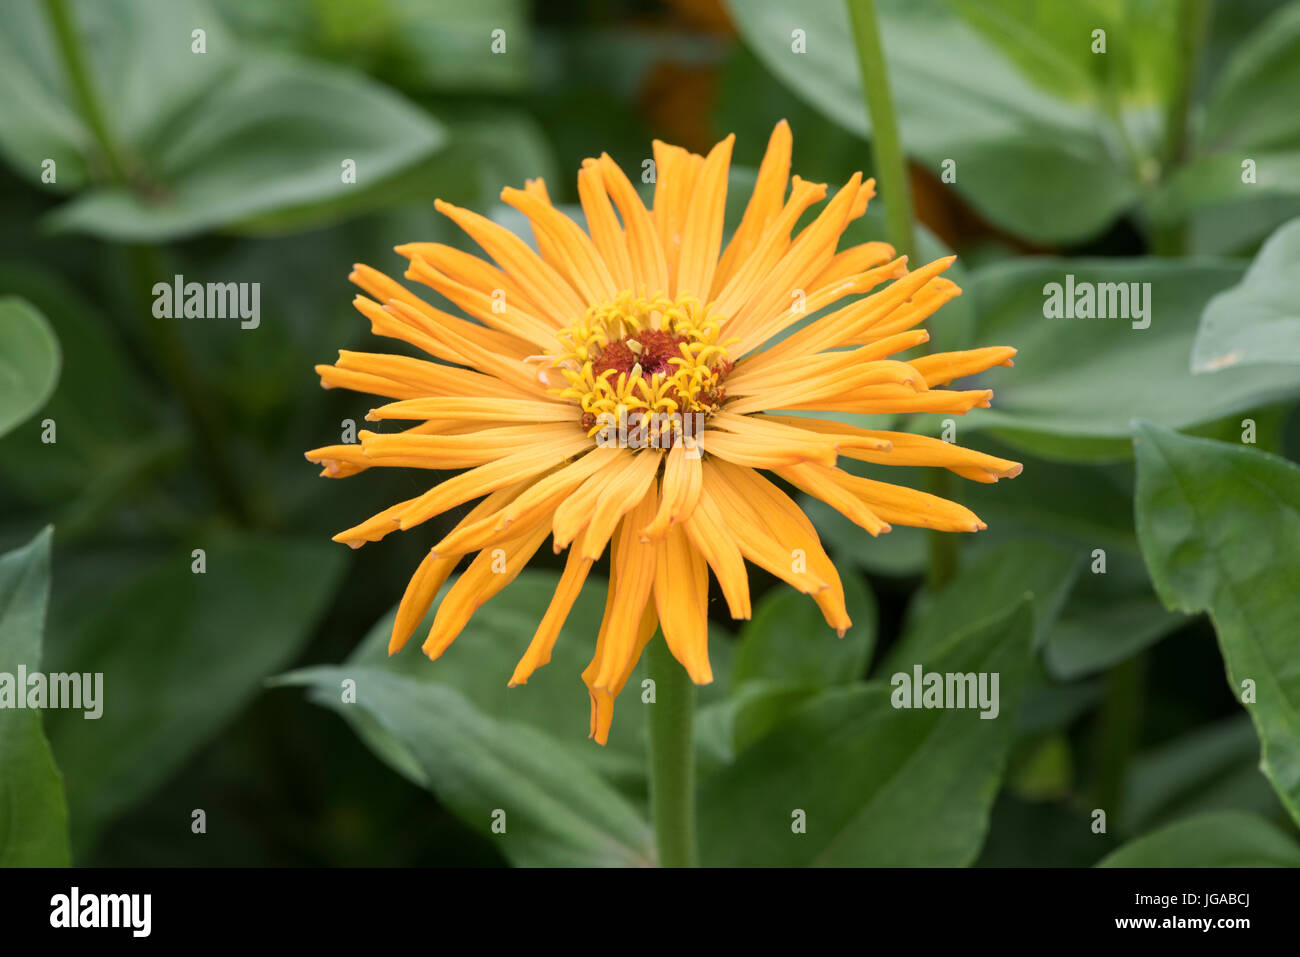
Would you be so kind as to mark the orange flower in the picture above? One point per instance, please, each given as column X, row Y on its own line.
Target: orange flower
column 574, row 402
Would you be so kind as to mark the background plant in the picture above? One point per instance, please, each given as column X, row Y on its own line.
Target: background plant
column 1121, row 690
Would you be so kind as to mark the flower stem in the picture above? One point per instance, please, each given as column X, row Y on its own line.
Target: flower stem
column 891, row 170
column 74, row 62
column 1169, row 239
column 672, row 757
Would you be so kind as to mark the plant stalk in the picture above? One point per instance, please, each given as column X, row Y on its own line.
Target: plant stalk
column 74, row 62
column 891, row 170
column 672, row 757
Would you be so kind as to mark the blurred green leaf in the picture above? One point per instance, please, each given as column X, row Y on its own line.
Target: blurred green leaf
column 1218, row 839
column 452, row 45
column 788, row 640
column 725, row 728
column 1079, row 382
column 486, row 150
column 992, row 581
column 1073, row 505
column 905, row 787
column 1220, row 530
column 33, row 813
column 1043, row 770
column 555, row 810
column 751, row 99
column 1084, row 644
column 29, row 361
column 107, row 422
column 1253, row 103
column 208, row 137
column 1047, row 168
column 785, row 655
column 481, row 660
column 443, row 45
column 1049, row 706
column 902, row 552
column 1052, row 44
column 181, row 653
column 1257, row 320
column 274, row 135
column 140, row 62
column 1250, row 116
column 1214, row 767
column 1205, row 183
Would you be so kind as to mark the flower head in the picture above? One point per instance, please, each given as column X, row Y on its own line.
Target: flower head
column 643, row 327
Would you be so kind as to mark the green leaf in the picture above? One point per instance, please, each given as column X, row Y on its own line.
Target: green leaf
column 274, row 136
column 1043, row 770
column 1080, row 504
column 1214, row 767
column 1249, row 122
column 1040, row 165
column 448, row 44
column 443, row 45
column 992, row 581
column 33, row 813
column 1213, row 181
column 181, row 654
column 726, row 728
column 1220, row 529
column 901, row 553
column 139, row 59
column 107, row 427
column 1257, row 320
column 29, row 361
column 880, row 786
column 208, row 139
column 788, row 640
column 1253, row 104
column 1219, row 839
column 1083, row 644
column 557, row 811
column 1052, row 44
column 1079, row 382
column 481, row 660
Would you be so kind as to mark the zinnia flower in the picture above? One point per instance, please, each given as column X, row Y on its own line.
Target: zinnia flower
column 646, row 311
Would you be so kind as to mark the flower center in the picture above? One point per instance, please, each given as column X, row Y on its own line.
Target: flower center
column 649, row 355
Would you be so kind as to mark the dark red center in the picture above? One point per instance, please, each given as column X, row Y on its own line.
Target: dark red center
column 657, row 348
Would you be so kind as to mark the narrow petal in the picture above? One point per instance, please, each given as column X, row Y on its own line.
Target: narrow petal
column 548, row 630
column 681, row 593
column 764, row 205
column 492, row 570
column 702, row 230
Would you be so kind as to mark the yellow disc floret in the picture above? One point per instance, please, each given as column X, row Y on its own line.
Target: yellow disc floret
column 639, row 354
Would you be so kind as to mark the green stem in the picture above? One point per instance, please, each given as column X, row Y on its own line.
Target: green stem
column 1117, row 734
column 1169, row 238
column 202, row 409
column 886, row 147
column 1191, row 41
column 74, row 62
column 672, row 757
column 891, row 170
